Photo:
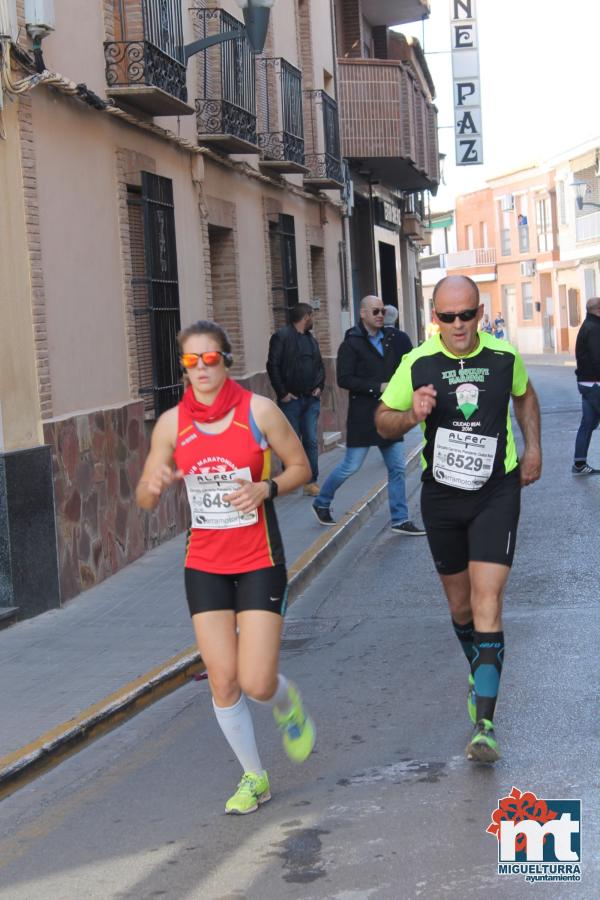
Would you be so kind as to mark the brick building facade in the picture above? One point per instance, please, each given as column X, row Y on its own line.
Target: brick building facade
column 142, row 191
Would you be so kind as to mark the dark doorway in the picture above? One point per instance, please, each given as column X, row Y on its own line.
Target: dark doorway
column 387, row 265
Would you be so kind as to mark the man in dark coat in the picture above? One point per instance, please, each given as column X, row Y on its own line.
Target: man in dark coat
column 587, row 354
column 297, row 373
column 367, row 358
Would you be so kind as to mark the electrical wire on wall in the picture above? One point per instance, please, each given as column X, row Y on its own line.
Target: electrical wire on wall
column 11, row 88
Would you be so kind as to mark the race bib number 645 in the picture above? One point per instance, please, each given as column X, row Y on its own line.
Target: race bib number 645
column 206, row 495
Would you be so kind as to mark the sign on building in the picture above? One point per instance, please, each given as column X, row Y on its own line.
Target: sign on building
column 466, row 84
column 387, row 214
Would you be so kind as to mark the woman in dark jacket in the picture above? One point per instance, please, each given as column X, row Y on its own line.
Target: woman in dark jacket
column 367, row 358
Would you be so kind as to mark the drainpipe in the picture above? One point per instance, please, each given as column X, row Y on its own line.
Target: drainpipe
column 373, row 250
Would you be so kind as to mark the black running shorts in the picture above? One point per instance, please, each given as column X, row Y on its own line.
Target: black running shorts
column 472, row 526
column 262, row 589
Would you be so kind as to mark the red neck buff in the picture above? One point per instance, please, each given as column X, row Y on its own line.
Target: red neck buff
column 229, row 396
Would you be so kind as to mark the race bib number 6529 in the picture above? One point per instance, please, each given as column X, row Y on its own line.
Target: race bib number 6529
column 462, row 459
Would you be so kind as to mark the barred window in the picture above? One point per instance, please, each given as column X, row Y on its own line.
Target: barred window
column 284, row 270
column 155, row 292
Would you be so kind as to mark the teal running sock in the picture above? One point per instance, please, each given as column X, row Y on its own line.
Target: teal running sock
column 487, row 668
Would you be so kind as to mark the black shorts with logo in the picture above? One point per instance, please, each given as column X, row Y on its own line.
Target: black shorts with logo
column 472, row 526
column 264, row 589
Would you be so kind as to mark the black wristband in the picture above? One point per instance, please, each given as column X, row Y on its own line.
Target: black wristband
column 273, row 488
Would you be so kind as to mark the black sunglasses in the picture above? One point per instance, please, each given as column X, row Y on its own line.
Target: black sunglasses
column 378, row 312
column 465, row 316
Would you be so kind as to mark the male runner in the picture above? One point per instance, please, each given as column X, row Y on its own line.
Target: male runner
column 457, row 386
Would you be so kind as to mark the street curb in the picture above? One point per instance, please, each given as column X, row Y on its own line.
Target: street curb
column 47, row 751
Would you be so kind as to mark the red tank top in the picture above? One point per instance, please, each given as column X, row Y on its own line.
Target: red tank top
column 220, row 540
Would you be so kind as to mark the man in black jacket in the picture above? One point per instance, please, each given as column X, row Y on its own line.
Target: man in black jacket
column 297, row 374
column 587, row 354
column 367, row 358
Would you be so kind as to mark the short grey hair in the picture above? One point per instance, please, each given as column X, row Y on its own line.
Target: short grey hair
column 391, row 315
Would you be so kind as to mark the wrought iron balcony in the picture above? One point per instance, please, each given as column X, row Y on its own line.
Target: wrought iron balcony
column 323, row 158
column 226, row 101
column 281, row 128
column 145, row 66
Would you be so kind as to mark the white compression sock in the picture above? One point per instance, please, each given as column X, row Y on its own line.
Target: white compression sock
column 236, row 724
column 281, row 697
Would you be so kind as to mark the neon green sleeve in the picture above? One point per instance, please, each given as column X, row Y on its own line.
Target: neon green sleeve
column 520, row 378
column 398, row 394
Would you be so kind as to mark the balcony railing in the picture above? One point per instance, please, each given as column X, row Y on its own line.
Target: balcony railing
column 587, row 227
column 388, row 123
column 145, row 65
column 280, row 123
column 470, row 259
column 226, row 103
column 323, row 158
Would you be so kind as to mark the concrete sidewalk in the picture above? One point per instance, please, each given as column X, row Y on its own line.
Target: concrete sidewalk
column 72, row 674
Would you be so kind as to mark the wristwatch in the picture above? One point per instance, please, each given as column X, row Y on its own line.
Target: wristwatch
column 273, row 488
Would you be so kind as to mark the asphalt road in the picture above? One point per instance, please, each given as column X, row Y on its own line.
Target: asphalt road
column 387, row 808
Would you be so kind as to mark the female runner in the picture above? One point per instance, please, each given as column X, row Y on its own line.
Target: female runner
column 220, row 438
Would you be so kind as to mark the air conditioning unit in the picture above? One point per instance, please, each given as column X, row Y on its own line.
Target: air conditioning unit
column 528, row 268
column 39, row 17
column 508, row 203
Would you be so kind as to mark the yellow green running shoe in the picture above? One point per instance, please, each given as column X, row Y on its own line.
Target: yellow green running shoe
column 252, row 791
column 472, row 700
column 483, row 746
column 296, row 727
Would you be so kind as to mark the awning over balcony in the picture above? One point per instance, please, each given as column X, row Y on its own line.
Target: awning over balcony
column 388, row 125
column 394, row 12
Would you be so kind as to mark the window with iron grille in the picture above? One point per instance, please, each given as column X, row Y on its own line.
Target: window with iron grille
column 155, row 292
column 284, row 270
column 527, row 300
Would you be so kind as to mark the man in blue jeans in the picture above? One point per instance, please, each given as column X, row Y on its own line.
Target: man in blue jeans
column 297, row 373
column 587, row 354
column 367, row 358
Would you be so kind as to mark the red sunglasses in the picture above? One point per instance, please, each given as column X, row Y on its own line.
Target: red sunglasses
column 209, row 358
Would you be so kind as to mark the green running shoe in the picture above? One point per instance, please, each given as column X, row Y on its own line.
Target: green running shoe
column 252, row 791
column 472, row 700
column 483, row 746
column 296, row 727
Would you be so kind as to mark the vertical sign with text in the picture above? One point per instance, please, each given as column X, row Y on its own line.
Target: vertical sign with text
column 466, row 85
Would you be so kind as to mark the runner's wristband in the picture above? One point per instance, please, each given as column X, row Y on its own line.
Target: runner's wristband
column 273, row 488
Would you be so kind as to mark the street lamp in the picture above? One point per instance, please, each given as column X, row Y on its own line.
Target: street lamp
column 256, row 19
column 581, row 189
